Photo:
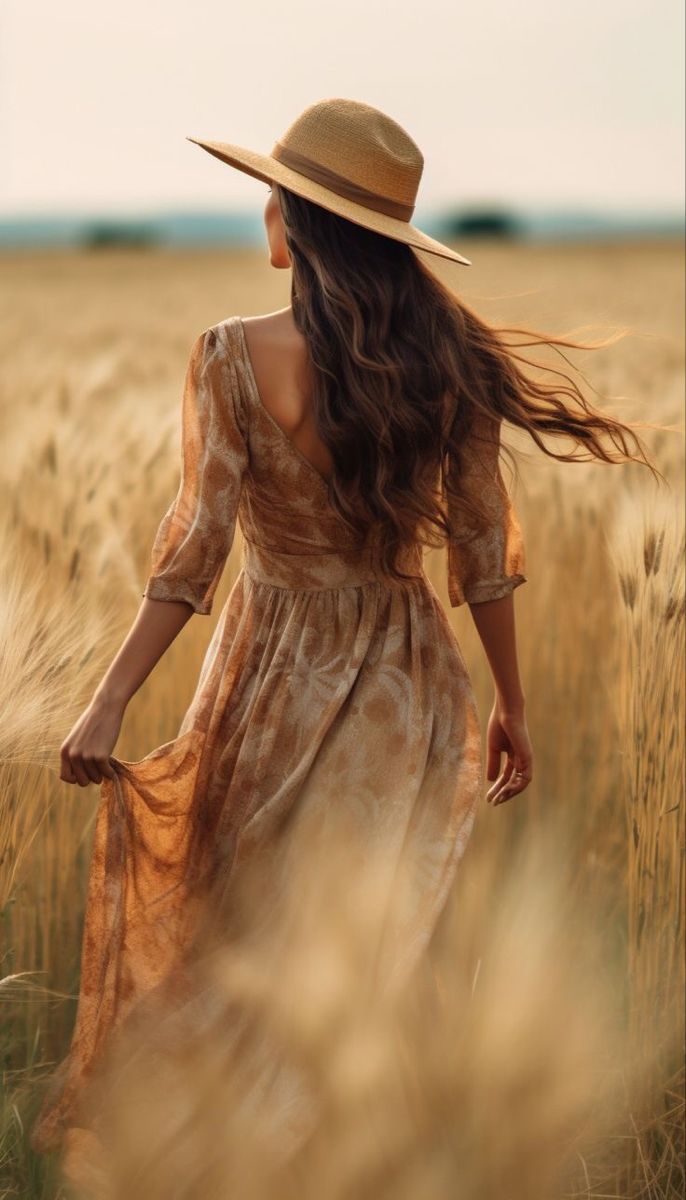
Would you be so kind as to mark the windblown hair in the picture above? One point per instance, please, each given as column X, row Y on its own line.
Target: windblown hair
column 408, row 379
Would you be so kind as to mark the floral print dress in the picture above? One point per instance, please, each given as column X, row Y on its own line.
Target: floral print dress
column 325, row 683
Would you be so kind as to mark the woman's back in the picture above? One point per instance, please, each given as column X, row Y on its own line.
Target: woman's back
column 280, row 363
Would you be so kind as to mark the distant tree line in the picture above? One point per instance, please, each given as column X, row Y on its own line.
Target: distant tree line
column 482, row 221
column 129, row 234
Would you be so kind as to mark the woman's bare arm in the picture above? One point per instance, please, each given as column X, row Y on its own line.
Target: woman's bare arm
column 192, row 543
column 495, row 623
column 84, row 754
column 507, row 728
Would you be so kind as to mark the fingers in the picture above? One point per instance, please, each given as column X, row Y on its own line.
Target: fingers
column 515, row 783
column 107, row 768
column 493, row 764
column 514, row 777
column 66, row 770
column 83, row 769
column 500, row 782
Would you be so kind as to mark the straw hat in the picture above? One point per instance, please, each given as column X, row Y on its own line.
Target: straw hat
column 352, row 160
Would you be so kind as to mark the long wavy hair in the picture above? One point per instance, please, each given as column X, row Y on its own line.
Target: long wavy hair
column 408, row 379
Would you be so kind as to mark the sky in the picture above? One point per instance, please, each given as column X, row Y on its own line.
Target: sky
column 527, row 102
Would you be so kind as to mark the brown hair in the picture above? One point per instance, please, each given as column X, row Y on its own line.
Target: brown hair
column 408, row 379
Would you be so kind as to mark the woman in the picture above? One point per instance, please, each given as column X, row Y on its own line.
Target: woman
column 344, row 432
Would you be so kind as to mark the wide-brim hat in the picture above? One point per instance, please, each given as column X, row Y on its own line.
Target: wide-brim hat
column 351, row 159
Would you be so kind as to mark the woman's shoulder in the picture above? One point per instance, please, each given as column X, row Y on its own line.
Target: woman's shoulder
column 226, row 331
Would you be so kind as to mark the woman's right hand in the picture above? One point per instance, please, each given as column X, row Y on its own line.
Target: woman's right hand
column 508, row 734
column 85, row 752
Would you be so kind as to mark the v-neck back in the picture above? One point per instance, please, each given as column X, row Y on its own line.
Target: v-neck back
column 258, row 400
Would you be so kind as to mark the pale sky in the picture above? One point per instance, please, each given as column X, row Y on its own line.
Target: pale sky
column 544, row 102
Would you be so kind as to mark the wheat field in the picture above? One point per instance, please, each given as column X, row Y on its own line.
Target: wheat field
column 540, row 1055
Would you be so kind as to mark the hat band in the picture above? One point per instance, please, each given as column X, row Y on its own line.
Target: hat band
column 338, row 183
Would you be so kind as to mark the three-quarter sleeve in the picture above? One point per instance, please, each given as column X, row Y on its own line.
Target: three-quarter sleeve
column 196, row 533
column 492, row 563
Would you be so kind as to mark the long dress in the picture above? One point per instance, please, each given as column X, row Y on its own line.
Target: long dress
column 325, row 683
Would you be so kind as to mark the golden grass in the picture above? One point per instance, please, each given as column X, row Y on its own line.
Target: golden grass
column 474, row 1082
column 541, row 1052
